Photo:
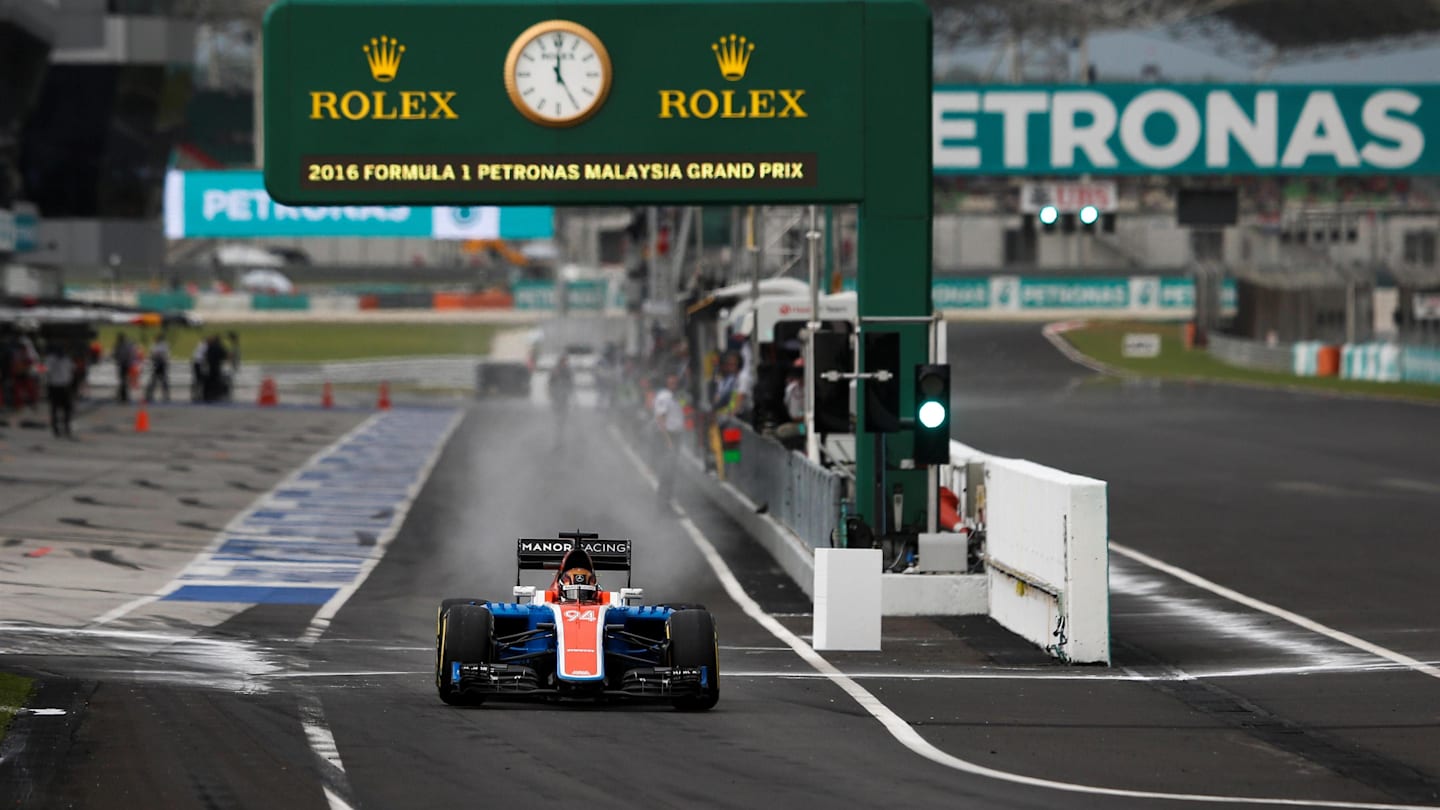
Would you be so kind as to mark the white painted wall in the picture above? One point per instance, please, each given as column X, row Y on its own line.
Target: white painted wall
column 1047, row 544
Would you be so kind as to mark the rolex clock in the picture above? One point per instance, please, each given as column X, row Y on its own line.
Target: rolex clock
column 557, row 73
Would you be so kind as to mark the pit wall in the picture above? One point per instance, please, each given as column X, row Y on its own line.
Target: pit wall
column 1046, row 559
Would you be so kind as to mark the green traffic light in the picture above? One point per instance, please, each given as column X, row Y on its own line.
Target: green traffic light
column 932, row 415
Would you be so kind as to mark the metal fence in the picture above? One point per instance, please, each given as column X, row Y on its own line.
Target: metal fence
column 1252, row 353
column 803, row 496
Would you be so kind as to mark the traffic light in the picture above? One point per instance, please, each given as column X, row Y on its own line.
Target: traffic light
column 882, row 398
column 1089, row 216
column 932, row 413
column 832, row 352
column 1049, row 215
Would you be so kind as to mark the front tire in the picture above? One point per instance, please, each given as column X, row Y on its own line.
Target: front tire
column 465, row 637
column 695, row 644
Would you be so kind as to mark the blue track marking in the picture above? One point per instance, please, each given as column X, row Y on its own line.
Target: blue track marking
column 320, row 530
column 252, row 594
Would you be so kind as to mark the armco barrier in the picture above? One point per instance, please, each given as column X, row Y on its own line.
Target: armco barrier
column 1048, row 558
column 1252, row 353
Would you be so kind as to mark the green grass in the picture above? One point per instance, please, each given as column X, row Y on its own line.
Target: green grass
column 14, row 692
column 1101, row 341
column 301, row 342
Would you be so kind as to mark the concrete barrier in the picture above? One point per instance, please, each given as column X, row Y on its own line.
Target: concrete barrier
column 209, row 303
column 1305, row 354
column 1420, row 364
column 1048, row 558
column 847, row 599
column 1379, row 362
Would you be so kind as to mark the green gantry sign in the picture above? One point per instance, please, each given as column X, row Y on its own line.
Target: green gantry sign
column 469, row 102
column 460, row 102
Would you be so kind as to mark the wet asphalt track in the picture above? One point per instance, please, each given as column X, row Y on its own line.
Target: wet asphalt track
column 1315, row 505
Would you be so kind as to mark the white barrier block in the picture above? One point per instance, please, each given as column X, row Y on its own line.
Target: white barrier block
column 847, row 598
column 1049, row 558
column 933, row 594
column 943, row 553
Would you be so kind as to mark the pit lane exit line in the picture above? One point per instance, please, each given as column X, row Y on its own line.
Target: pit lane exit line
column 898, row 727
column 1278, row 612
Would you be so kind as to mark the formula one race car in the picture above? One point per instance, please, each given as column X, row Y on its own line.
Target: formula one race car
column 573, row 640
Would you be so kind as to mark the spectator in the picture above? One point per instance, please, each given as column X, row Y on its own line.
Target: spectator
column 215, row 357
column 123, row 354
column 197, row 371
column 235, row 352
column 7, row 371
column 159, row 369
column 60, row 389
column 670, row 419
column 560, row 386
column 791, row 433
column 727, row 397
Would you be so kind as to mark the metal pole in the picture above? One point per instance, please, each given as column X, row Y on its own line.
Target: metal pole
column 829, row 268
column 812, row 439
column 258, row 107
column 652, row 253
column 700, row 246
column 756, row 239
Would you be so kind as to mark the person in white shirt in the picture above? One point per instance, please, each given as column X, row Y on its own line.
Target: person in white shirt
column 670, row 420
column 159, row 369
column 60, row 389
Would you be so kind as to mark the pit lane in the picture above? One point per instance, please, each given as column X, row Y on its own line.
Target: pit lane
column 782, row 733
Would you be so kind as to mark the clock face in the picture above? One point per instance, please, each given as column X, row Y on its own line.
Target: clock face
column 557, row 73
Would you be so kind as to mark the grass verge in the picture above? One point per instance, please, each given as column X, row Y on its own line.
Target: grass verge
column 14, row 692
column 301, row 342
column 1102, row 342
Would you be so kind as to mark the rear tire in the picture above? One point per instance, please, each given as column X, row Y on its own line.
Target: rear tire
column 694, row 643
column 465, row 632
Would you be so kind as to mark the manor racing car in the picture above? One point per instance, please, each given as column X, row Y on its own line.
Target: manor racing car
column 573, row 640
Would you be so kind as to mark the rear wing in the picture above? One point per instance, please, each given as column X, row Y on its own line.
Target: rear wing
column 534, row 554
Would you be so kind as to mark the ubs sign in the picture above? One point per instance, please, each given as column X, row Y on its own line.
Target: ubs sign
column 1186, row 129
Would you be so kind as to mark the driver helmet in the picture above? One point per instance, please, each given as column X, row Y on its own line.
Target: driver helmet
column 579, row 585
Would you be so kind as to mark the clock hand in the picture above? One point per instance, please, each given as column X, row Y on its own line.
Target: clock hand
column 571, row 95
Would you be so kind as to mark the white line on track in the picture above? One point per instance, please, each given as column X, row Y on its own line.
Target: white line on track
column 1281, row 613
column 902, row 730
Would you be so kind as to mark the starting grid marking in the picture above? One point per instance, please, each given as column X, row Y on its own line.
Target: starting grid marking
column 317, row 532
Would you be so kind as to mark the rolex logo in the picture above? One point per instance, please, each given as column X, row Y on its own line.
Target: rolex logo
column 384, row 55
column 733, row 55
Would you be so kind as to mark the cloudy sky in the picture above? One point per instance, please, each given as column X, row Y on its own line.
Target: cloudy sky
column 1121, row 56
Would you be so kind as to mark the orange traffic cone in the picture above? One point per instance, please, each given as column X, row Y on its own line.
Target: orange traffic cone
column 327, row 397
column 384, row 403
column 142, row 420
column 267, row 392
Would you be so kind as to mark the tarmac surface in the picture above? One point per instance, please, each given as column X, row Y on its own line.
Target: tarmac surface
column 1313, row 505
